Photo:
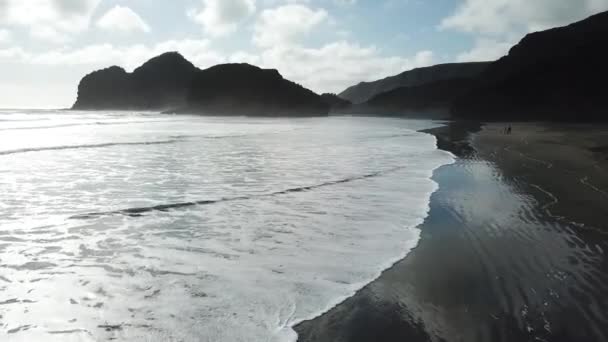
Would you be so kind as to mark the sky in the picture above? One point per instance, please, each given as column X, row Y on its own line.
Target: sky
column 47, row 46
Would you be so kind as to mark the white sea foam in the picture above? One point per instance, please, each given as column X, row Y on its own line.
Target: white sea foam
column 231, row 239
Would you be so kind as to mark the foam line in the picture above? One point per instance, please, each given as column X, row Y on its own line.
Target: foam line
column 77, row 147
column 87, row 124
column 138, row 211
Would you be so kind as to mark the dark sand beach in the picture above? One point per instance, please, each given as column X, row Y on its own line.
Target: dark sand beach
column 513, row 248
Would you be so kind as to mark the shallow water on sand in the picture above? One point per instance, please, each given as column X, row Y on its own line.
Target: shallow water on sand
column 149, row 227
column 493, row 264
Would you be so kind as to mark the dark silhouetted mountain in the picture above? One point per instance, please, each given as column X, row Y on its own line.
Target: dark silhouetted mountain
column 169, row 82
column 558, row 74
column 366, row 90
column 435, row 97
column 104, row 89
column 243, row 89
column 335, row 102
column 160, row 83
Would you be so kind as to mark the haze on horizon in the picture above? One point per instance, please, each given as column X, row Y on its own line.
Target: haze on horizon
column 46, row 46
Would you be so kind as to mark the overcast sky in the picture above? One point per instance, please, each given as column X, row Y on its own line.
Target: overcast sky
column 46, row 46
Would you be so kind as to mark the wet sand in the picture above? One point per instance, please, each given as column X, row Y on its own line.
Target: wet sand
column 513, row 248
column 567, row 164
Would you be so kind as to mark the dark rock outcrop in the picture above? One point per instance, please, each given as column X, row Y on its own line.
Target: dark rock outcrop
column 160, row 83
column 364, row 91
column 104, row 89
column 243, row 89
column 171, row 83
column 559, row 74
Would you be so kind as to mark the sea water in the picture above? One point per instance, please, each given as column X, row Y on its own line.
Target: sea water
column 149, row 227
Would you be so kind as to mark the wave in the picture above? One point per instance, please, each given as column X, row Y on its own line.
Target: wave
column 139, row 211
column 96, row 123
column 173, row 139
column 77, row 147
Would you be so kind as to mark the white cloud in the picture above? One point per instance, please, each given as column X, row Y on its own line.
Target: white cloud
column 337, row 65
column 52, row 20
column 505, row 17
column 222, row 17
column 278, row 43
column 122, row 19
column 129, row 57
column 244, row 57
column 345, row 2
column 64, row 67
column 13, row 53
column 329, row 68
column 498, row 24
column 5, row 36
column 485, row 49
column 49, row 34
column 285, row 24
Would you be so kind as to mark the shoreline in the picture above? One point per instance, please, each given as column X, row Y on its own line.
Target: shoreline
column 406, row 302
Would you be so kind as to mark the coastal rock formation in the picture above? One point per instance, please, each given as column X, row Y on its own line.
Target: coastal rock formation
column 243, row 89
column 557, row 74
column 171, row 83
column 158, row 84
column 364, row 91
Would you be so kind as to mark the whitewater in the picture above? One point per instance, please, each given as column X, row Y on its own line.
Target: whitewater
column 150, row 227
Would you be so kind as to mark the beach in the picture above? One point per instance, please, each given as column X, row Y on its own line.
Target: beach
column 513, row 248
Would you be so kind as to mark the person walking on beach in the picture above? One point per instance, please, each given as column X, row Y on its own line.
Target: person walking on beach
column 509, row 130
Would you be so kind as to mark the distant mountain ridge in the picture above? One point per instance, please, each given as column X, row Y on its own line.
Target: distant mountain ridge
column 169, row 82
column 364, row 91
column 558, row 74
column 335, row 102
column 432, row 99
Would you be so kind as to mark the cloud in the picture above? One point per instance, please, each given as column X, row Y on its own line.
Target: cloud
column 337, row 65
column 277, row 34
column 5, row 36
column 244, row 57
column 329, row 68
column 485, row 49
column 496, row 25
column 505, row 17
column 345, row 2
column 285, row 24
column 49, row 34
column 122, row 19
column 129, row 57
column 222, row 17
column 51, row 20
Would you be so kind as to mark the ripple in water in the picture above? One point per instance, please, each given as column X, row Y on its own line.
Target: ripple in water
column 233, row 239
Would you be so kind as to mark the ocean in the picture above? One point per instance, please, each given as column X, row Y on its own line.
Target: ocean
column 150, row 227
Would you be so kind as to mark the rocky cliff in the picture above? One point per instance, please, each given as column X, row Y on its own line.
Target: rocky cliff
column 171, row 83
column 158, row 84
column 558, row 74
